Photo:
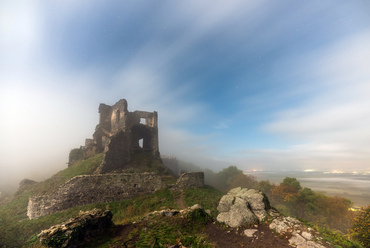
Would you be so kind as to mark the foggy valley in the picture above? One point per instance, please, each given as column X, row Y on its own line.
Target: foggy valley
column 162, row 119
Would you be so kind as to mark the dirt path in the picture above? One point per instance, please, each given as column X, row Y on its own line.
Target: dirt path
column 228, row 238
column 179, row 199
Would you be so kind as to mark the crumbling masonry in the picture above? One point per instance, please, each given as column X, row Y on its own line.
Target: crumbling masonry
column 122, row 136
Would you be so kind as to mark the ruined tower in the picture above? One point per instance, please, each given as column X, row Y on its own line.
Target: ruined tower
column 121, row 134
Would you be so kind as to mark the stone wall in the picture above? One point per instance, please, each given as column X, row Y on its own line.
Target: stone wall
column 120, row 134
column 87, row 189
column 191, row 180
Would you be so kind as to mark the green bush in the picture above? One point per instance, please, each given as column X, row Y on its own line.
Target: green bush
column 75, row 155
column 361, row 227
column 199, row 216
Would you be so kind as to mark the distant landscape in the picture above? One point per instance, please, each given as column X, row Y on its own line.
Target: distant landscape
column 355, row 187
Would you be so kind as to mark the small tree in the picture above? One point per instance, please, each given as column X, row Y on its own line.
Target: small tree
column 361, row 227
column 293, row 182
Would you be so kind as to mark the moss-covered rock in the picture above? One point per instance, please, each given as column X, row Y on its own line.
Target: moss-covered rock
column 77, row 230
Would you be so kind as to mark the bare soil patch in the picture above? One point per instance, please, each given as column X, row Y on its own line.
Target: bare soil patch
column 227, row 237
column 179, row 198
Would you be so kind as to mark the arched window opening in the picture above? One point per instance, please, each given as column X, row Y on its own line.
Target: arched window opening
column 141, row 138
column 143, row 121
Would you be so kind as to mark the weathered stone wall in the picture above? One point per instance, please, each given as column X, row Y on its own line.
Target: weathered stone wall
column 83, row 190
column 117, row 154
column 119, row 135
column 191, row 180
column 115, row 119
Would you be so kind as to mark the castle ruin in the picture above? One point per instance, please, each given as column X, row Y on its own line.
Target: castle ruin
column 120, row 134
column 129, row 142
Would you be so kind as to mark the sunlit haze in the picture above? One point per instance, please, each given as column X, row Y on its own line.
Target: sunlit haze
column 264, row 85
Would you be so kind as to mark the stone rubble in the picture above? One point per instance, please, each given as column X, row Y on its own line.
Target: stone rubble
column 300, row 235
column 249, row 207
column 173, row 212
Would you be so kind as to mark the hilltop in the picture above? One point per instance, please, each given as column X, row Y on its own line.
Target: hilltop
column 129, row 216
column 120, row 171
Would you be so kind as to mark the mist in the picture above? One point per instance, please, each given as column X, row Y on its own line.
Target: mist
column 260, row 85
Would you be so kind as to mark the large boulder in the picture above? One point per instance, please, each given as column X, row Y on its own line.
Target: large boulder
column 77, row 230
column 241, row 207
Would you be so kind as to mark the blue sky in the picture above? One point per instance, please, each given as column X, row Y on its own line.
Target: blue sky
column 279, row 85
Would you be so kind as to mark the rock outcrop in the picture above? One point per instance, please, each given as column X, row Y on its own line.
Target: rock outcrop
column 76, row 230
column 249, row 207
column 299, row 235
column 243, row 207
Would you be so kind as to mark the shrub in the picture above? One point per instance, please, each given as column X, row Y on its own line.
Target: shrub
column 199, row 216
column 360, row 230
column 75, row 155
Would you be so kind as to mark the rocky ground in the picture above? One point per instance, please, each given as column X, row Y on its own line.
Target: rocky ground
column 261, row 226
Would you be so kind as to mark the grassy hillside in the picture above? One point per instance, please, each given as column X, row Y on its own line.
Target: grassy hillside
column 15, row 226
column 18, row 231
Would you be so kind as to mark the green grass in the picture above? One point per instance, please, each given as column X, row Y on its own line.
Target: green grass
column 16, row 230
column 85, row 167
column 208, row 197
column 15, row 226
column 158, row 231
column 335, row 238
column 20, row 230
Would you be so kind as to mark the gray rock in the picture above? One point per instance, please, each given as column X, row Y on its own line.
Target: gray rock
column 250, row 232
column 196, row 206
column 242, row 207
column 169, row 213
column 238, row 215
column 273, row 213
column 307, row 235
column 280, row 225
column 225, row 203
column 74, row 231
column 297, row 240
column 299, row 235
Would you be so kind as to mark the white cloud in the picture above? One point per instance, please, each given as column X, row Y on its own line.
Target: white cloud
column 334, row 124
